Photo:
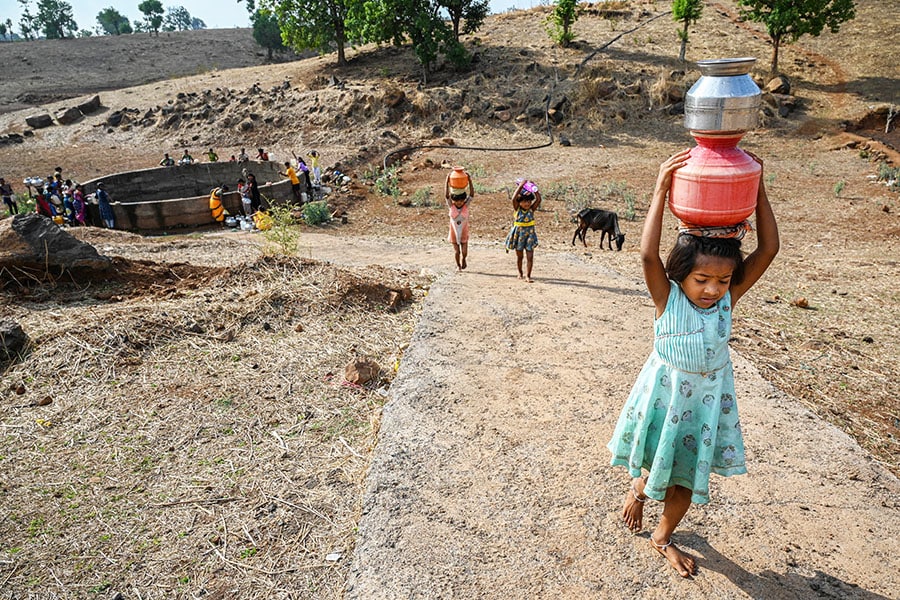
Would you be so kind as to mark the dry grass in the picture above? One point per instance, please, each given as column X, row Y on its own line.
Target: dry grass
column 199, row 442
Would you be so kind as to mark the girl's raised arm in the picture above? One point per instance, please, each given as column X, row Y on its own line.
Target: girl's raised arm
column 447, row 190
column 767, row 241
column 537, row 201
column 515, row 196
column 654, row 270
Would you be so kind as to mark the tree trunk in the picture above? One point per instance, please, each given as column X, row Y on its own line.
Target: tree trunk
column 776, row 43
column 684, row 38
column 342, row 59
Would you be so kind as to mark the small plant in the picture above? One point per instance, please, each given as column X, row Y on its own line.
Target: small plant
column 387, row 183
column 475, row 171
column 283, row 237
column 559, row 22
column 24, row 202
column 628, row 198
column 423, row 197
column 37, row 527
column 248, row 552
column 316, row 213
column 838, row 188
column 889, row 175
column 770, row 179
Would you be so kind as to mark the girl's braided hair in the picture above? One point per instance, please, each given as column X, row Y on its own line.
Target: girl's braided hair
column 683, row 257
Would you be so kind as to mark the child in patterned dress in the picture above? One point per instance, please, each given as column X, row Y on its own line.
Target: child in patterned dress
column 680, row 422
column 522, row 237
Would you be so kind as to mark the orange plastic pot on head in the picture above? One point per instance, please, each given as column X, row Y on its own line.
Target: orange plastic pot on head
column 718, row 185
column 459, row 179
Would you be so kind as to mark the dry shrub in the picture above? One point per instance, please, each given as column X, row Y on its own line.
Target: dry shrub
column 660, row 91
column 197, row 443
column 592, row 96
column 423, row 104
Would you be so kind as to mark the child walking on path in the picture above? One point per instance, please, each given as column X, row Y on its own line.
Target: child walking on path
column 458, row 203
column 680, row 422
column 522, row 237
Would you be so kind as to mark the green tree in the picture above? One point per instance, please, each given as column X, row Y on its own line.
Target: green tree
column 27, row 23
column 53, row 18
column 787, row 21
column 417, row 21
column 686, row 12
column 471, row 12
column 197, row 23
column 560, row 21
column 112, row 22
column 177, row 19
column 266, row 31
column 321, row 25
column 153, row 12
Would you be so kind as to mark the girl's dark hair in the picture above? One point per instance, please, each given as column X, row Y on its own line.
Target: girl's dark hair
column 523, row 195
column 683, row 257
column 460, row 196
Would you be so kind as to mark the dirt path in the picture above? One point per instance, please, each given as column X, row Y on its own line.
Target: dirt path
column 491, row 479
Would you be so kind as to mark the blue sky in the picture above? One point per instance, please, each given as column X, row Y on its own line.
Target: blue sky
column 215, row 13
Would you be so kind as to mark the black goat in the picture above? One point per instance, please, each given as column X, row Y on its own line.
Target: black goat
column 604, row 220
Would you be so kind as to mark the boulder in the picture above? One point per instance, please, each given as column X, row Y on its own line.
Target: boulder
column 778, row 85
column 67, row 116
column 602, row 89
column 31, row 242
column 13, row 340
column 361, row 371
column 115, row 119
column 39, row 121
column 393, row 97
column 90, row 106
column 12, row 138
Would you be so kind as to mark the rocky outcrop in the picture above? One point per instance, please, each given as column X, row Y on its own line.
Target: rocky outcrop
column 67, row 116
column 39, row 121
column 91, row 106
column 34, row 243
column 13, row 340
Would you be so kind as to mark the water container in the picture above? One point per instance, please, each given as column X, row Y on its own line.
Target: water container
column 459, row 179
column 718, row 185
column 725, row 98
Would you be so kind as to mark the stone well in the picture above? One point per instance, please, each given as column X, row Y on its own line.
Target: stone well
column 165, row 198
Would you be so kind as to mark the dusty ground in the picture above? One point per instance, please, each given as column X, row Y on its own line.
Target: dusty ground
column 464, row 461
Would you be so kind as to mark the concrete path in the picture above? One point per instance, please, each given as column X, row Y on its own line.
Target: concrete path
column 491, row 476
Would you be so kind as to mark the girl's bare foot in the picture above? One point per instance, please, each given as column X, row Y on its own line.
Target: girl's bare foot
column 633, row 511
column 681, row 562
column 521, row 276
column 529, row 280
column 463, row 265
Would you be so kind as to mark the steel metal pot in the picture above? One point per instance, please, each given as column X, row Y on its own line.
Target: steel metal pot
column 725, row 98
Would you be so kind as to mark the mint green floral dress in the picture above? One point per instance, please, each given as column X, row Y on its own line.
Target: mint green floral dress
column 680, row 421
